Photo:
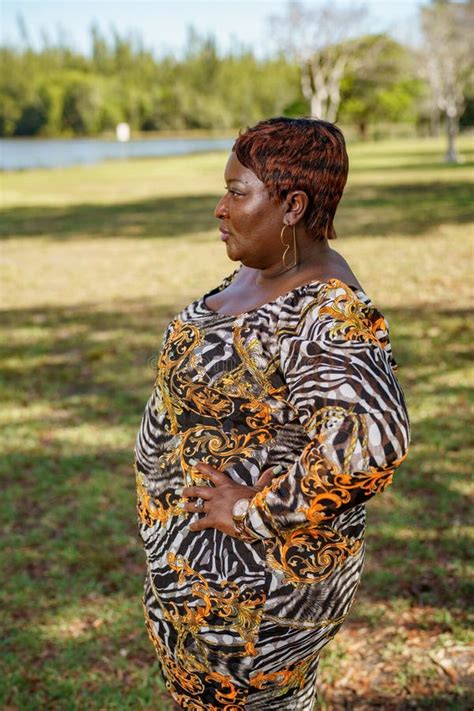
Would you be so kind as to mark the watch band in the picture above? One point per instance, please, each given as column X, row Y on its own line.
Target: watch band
column 239, row 520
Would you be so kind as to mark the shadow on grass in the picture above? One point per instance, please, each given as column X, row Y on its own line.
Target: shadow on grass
column 86, row 362
column 78, row 379
column 156, row 217
column 413, row 168
column 366, row 210
column 410, row 161
column 403, row 209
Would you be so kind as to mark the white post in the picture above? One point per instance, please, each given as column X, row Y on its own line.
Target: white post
column 122, row 132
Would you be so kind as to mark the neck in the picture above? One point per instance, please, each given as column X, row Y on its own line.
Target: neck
column 309, row 253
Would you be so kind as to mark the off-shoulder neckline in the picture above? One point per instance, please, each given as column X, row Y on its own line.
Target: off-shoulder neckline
column 229, row 279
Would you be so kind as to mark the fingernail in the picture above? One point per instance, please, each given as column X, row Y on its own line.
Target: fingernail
column 278, row 469
column 193, row 462
column 179, row 491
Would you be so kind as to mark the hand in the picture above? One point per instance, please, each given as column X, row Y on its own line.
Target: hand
column 219, row 499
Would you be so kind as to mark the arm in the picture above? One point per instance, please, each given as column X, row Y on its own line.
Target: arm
column 336, row 361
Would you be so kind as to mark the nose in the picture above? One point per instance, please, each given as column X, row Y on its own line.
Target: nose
column 221, row 210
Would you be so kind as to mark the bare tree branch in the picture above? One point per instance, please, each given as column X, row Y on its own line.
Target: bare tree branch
column 447, row 60
column 324, row 41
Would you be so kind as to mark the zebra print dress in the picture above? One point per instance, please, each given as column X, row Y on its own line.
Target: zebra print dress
column 306, row 381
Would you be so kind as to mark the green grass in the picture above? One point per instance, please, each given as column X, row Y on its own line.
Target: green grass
column 95, row 261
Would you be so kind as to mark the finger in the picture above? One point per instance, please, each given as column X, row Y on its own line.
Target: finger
column 191, row 507
column 201, row 524
column 215, row 475
column 266, row 476
column 197, row 465
column 197, row 492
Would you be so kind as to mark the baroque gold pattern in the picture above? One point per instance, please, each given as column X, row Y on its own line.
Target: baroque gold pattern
column 246, row 354
column 149, row 509
column 310, row 555
column 239, row 610
column 294, row 675
column 328, row 490
column 353, row 318
column 217, row 447
column 174, row 672
column 178, row 391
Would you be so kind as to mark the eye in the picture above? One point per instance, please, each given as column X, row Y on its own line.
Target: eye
column 232, row 191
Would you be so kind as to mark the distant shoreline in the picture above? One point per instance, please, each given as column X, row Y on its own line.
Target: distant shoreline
column 23, row 153
column 136, row 135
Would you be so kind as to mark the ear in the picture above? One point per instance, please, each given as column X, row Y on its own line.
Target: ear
column 297, row 202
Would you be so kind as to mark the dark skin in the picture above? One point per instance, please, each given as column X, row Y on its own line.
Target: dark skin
column 220, row 498
column 253, row 222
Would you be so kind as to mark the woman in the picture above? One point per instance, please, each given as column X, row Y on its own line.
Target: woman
column 276, row 415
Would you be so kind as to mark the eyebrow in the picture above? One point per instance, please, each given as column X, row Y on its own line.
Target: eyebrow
column 235, row 180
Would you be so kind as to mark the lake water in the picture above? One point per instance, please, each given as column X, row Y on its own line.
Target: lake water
column 23, row 153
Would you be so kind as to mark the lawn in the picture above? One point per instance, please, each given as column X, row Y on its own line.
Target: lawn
column 95, row 261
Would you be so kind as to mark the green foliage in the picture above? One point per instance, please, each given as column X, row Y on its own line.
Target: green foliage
column 383, row 90
column 82, row 105
column 56, row 91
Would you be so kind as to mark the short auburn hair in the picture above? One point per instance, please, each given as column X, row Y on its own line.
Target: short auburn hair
column 299, row 154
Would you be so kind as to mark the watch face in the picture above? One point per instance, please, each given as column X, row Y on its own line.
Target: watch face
column 240, row 507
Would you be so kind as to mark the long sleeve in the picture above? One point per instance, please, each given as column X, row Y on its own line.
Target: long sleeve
column 336, row 361
column 151, row 427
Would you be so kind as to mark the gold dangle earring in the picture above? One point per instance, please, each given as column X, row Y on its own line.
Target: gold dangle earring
column 287, row 247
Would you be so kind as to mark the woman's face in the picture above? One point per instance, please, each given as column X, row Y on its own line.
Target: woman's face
column 251, row 221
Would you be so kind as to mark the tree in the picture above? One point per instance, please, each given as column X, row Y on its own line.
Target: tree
column 322, row 42
column 447, row 60
column 383, row 91
column 82, row 105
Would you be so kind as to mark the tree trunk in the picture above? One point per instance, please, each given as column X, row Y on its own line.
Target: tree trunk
column 452, row 130
column 434, row 123
column 362, row 128
column 317, row 110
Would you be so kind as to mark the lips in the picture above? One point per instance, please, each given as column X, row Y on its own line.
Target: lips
column 225, row 234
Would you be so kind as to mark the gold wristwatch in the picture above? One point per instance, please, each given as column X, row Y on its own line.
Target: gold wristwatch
column 239, row 512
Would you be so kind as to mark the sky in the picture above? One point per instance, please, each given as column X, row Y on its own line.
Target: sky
column 163, row 23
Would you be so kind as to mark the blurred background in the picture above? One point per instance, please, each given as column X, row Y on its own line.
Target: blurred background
column 115, row 124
